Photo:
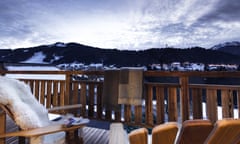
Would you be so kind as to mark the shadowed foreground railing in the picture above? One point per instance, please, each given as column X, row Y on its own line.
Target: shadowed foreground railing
column 168, row 96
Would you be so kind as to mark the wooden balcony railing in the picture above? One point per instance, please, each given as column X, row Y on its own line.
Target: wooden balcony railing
column 168, row 96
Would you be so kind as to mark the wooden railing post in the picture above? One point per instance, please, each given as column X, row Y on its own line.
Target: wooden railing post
column 184, row 97
column 227, row 103
column 3, row 125
column 127, row 113
column 160, row 105
column 99, row 101
column 172, row 104
column 138, row 114
column 68, row 89
column 212, row 105
column 197, row 103
column 91, row 100
column 83, row 99
column 149, row 105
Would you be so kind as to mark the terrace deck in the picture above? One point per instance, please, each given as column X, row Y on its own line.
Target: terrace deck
column 90, row 135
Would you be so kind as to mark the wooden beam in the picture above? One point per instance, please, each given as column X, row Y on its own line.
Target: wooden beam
column 3, row 125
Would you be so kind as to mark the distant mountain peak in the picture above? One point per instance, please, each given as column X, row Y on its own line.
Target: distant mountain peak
column 58, row 44
column 226, row 44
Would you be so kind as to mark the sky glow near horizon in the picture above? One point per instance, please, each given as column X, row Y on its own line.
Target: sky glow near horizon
column 125, row 24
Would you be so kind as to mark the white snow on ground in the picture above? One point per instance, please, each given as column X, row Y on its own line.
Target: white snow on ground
column 219, row 109
column 38, row 57
column 35, row 76
column 32, row 68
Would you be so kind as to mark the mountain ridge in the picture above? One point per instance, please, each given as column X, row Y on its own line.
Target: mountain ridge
column 59, row 53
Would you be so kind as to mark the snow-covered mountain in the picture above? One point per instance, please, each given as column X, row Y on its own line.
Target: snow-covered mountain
column 62, row 53
column 228, row 47
column 226, row 44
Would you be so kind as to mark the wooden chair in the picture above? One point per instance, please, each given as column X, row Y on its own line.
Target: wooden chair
column 17, row 101
column 138, row 136
column 226, row 131
column 71, row 132
column 165, row 133
column 194, row 131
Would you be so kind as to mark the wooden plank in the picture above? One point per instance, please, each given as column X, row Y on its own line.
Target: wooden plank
column 95, row 136
column 68, row 88
column 91, row 100
column 66, row 107
column 172, row 104
column 3, row 125
column 49, row 94
column 149, row 105
column 31, row 84
column 74, row 98
column 184, row 96
column 36, row 90
column 197, row 103
column 227, row 103
column 138, row 114
column 160, row 105
column 127, row 113
column 62, row 93
column 55, row 94
column 212, row 105
column 75, row 95
column 42, row 130
column 42, row 92
column 99, row 100
column 83, row 99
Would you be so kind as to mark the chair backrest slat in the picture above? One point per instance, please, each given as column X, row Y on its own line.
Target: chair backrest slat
column 194, row 131
column 226, row 131
column 165, row 133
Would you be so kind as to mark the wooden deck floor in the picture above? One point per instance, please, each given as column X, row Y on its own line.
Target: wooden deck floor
column 90, row 135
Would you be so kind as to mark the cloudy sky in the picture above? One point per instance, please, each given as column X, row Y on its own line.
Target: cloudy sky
column 122, row 24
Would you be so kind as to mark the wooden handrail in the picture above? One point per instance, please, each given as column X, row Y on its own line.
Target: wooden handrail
column 66, row 107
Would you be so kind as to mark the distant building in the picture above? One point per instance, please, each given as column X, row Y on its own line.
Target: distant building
column 176, row 66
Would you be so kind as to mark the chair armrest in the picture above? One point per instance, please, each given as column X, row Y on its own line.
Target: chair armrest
column 66, row 107
column 42, row 131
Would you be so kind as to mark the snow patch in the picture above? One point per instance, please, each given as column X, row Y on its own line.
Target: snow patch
column 58, row 44
column 38, row 57
column 55, row 58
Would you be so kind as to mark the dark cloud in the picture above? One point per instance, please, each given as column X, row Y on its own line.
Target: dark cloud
column 224, row 10
column 13, row 20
